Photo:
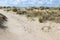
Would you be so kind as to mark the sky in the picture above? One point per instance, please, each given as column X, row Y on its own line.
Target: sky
column 26, row 3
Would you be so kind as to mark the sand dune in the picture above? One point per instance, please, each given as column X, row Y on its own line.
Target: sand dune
column 21, row 28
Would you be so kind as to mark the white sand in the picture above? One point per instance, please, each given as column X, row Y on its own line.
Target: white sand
column 21, row 28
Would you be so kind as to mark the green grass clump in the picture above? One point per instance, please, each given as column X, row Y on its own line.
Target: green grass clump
column 3, row 19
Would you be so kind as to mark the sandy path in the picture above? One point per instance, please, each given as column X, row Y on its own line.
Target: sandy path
column 19, row 28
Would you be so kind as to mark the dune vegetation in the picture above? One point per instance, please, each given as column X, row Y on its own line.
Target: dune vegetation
column 42, row 13
column 3, row 19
